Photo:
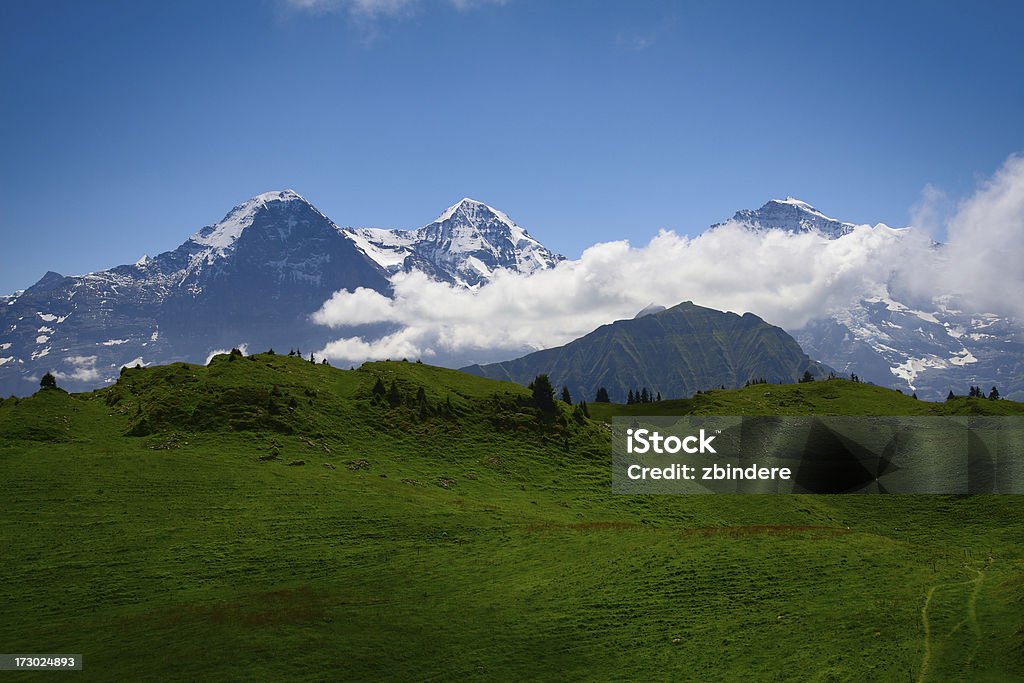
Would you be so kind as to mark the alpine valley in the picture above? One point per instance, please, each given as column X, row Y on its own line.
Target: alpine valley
column 255, row 278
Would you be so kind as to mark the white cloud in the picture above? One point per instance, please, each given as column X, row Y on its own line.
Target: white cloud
column 132, row 363
column 787, row 279
column 986, row 242
column 244, row 348
column 400, row 345
column 83, row 369
column 980, row 260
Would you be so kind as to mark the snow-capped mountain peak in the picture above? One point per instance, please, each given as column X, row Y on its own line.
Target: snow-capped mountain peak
column 464, row 245
column 800, row 204
column 474, row 212
column 223, row 235
column 254, row 278
column 792, row 215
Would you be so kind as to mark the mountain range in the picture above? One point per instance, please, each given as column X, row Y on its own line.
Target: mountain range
column 256, row 276
column 673, row 352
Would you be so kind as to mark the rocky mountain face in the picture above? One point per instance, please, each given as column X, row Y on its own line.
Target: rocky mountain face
column 929, row 349
column 677, row 352
column 791, row 215
column 464, row 246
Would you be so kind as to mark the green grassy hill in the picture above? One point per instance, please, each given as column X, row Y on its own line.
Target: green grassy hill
column 158, row 528
column 829, row 397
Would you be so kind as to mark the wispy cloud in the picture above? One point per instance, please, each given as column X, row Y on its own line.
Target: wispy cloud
column 377, row 9
column 639, row 39
column 81, row 368
column 465, row 5
column 637, row 42
column 931, row 212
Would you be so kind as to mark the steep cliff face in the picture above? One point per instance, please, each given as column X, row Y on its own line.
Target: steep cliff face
column 252, row 278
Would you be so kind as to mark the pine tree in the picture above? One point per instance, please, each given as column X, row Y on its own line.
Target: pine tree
column 951, row 396
column 630, row 400
column 585, row 409
column 914, row 396
column 808, row 377
column 993, row 395
column 48, row 381
column 543, row 394
column 394, row 398
column 378, row 389
column 659, row 397
column 421, row 400
column 565, row 395
column 644, row 396
column 602, row 396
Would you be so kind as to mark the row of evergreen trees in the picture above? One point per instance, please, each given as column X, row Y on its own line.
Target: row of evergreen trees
column 644, row 395
column 297, row 353
column 976, row 392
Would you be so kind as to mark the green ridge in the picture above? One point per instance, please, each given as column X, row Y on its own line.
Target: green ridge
column 676, row 352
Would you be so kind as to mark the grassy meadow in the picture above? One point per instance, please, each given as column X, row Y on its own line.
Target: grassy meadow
column 162, row 528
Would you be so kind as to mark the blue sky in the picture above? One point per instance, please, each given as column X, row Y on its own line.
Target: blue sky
column 129, row 125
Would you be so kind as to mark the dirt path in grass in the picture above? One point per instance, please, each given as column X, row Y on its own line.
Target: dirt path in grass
column 971, row 618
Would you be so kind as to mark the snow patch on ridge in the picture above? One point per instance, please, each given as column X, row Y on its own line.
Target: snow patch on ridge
column 223, row 235
column 909, row 370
